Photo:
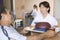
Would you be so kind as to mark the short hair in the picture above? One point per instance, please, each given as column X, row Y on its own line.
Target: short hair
column 45, row 4
column 35, row 6
column 2, row 11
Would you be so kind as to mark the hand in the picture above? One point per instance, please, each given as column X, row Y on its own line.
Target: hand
column 32, row 27
column 49, row 33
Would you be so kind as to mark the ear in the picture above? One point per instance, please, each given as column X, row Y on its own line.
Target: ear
column 1, row 16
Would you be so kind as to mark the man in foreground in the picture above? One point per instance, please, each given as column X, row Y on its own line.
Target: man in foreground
column 7, row 32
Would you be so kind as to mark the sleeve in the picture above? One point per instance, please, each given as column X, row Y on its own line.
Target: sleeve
column 54, row 22
column 34, row 22
column 34, row 13
column 15, row 35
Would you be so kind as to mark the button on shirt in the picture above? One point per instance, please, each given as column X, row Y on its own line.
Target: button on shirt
column 50, row 19
column 12, row 34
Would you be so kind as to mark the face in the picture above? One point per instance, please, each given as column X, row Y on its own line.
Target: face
column 6, row 18
column 43, row 9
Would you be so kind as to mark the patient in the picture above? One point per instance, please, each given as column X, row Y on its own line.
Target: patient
column 7, row 32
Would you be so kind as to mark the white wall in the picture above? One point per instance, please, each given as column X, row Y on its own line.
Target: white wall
column 57, row 9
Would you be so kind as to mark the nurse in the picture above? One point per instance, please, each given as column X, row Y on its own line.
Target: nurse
column 45, row 15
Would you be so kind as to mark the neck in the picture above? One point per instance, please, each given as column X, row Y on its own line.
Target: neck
column 5, row 25
column 44, row 15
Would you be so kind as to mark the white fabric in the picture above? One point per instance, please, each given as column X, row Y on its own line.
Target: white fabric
column 35, row 13
column 12, row 34
column 50, row 19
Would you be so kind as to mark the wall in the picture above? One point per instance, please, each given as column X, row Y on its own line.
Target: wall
column 19, row 7
column 7, row 4
column 57, row 9
column 22, row 6
column 1, row 2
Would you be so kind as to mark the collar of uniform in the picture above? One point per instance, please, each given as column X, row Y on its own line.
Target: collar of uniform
column 5, row 27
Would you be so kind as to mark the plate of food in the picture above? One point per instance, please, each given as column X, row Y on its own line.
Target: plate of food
column 34, row 30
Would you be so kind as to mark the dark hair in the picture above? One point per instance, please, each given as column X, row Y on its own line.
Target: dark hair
column 2, row 11
column 45, row 4
column 35, row 6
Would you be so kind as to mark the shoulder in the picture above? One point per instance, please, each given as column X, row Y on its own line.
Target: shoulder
column 51, row 17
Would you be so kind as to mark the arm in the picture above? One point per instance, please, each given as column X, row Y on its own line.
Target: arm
column 32, row 37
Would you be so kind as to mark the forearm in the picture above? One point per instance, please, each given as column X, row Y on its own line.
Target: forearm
column 35, row 37
column 32, row 38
